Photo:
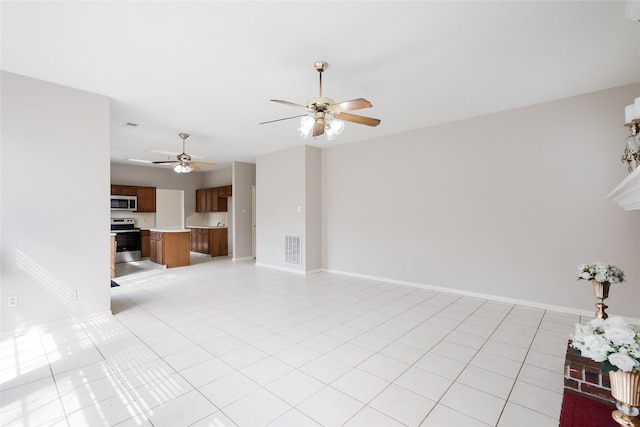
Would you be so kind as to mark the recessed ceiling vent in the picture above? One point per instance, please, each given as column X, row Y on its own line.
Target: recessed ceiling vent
column 129, row 125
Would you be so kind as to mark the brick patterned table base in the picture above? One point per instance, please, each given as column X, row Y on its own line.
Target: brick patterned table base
column 583, row 377
column 586, row 400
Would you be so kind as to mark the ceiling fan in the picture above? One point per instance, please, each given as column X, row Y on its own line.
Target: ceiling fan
column 326, row 116
column 184, row 163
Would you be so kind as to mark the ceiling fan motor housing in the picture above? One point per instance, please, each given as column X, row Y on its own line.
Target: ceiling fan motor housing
column 319, row 104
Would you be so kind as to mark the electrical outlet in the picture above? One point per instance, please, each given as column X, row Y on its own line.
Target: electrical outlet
column 73, row 295
column 409, row 264
column 12, row 301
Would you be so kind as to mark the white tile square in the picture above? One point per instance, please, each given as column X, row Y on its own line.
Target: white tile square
column 487, row 381
column 425, row 383
column 369, row 417
column 185, row 358
column 360, row 385
column 266, row 370
column 519, row 416
column 295, row 387
column 509, row 351
column 330, row 407
column 228, row 389
column 351, row 354
column 498, row 364
column 294, row 418
column 323, row 343
column 205, row 372
column 541, row 377
column 325, row 368
column 161, row 391
column 182, row 411
column 243, row 356
column 258, row 408
column 384, row 367
column 454, row 351
column 474, row 403
column 537, row 398
column 297, row 355
column 403, row 405
column 273, row 343
column 440, row 365
column 441, row 416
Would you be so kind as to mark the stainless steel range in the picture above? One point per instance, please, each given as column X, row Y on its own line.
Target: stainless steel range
column 127, row 239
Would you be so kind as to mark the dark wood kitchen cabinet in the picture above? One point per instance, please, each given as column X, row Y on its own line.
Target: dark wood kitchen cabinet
column 145, row 243
column 123, row 190
column 170, row 248
column 146, row 199
column 212, row 199
column 155, row 247
column 218, row 242
column 210, row 240
column 146, row 195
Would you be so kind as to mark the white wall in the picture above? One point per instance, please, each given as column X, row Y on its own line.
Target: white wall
column 288, row 202
column 506, row 204
column 169, row 208
column 55, row 144
column 312, row 210
column 244, row 178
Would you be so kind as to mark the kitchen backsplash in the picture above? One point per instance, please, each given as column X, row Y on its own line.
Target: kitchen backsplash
column 143, row 219
column 208, row 219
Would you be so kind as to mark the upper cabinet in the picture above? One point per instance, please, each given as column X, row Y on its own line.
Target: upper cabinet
column 212, row 199
column 146, row 199
column 146, row 195
column 123, row 190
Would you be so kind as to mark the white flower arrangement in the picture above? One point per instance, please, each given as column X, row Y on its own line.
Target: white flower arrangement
column 600, row 272
column 611, row 341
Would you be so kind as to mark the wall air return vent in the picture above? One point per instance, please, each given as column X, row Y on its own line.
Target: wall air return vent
column 292, row 250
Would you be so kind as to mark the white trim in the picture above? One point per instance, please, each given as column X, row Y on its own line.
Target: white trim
column 289, row 270
column 242, row 258
column 53, row 325
column 551, row 307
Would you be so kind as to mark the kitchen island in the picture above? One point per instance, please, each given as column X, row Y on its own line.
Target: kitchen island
column 170, row 246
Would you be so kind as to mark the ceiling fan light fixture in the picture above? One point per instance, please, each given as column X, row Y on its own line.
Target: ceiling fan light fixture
column 183, row 168
column 306, row 126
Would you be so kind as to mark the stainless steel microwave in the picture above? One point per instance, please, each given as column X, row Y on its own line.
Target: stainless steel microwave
column 124, row 203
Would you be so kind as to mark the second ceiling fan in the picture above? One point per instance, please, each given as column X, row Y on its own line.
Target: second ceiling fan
column 324, row 115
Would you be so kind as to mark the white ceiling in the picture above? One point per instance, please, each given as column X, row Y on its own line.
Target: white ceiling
column 210, row 68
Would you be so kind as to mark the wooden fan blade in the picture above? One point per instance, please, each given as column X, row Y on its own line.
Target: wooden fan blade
column 279, row 120
column 165, row 162
column 361, row 120
column 291, row 104
column 211, row 165
column 354, row 104
column 194, row 167
column 318, row 128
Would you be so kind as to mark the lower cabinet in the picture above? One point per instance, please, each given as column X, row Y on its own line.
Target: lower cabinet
column 212, row 241
column 145, row 243
column 170, row 248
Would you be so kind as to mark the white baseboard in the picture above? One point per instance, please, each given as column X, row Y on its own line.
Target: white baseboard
column 290, row 270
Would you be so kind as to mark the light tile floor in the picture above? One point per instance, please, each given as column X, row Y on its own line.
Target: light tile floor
column 223, row 343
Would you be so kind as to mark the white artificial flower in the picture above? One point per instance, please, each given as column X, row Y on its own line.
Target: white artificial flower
column 615, row 321
column 600, row 277
column 596, row 323
column 619, row 336
column 622, row 361
column 596, row 348
column 586, row 275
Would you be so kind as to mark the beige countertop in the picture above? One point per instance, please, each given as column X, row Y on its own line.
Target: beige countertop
column 171, row 230
column 205, row 226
